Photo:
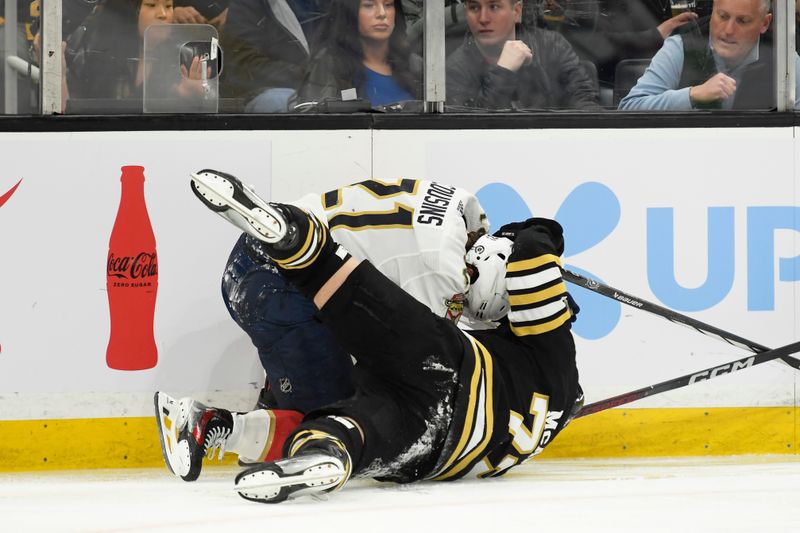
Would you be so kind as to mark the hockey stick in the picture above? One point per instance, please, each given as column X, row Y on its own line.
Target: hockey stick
column 689, row 379
column 672, row 316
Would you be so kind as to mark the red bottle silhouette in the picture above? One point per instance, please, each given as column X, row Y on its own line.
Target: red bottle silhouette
column 132, row 279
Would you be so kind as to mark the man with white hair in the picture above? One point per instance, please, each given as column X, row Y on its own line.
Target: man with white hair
column 723, row 63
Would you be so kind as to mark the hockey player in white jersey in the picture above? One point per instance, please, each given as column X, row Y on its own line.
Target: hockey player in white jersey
column 414, row 231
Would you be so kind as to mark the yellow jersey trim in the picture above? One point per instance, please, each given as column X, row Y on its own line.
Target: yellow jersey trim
column 536, row 262
column 544, row 327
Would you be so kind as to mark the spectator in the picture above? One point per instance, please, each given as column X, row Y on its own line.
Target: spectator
column 722, row 64
column 364, row 48
column 502, row 66
column 201, row 12
column 104, row 57
column 267, row 49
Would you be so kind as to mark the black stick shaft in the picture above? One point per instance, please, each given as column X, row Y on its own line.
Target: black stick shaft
column 672, row 316
column 689, row 379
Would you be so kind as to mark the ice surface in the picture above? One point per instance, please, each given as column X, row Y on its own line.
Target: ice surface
column 731, row 494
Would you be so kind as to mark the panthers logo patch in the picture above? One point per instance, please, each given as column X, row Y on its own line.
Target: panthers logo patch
column 455, row 307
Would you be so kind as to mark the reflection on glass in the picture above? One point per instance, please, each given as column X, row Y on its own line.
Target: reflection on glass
column 182, row 63
column 105, row 56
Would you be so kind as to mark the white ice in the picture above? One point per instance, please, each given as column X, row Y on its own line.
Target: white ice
column 731, row 494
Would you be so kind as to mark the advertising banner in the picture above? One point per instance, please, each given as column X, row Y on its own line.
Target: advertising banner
column 110, row 268
column 705, row 222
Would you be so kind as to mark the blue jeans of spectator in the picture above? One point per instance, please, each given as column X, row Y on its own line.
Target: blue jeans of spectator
column 272, row 100
column 306, row 368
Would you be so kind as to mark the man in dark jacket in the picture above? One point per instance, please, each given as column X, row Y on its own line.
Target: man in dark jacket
column 267, row 46
column 502, row 67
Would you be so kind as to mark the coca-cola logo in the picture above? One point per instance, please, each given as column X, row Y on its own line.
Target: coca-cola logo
column 6, row 196
column 3, row 199
column 140, row 266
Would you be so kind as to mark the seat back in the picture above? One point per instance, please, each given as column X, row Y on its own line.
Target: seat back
column 626, row 74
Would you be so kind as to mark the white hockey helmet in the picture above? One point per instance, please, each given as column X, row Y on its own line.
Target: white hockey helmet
column 487, row 299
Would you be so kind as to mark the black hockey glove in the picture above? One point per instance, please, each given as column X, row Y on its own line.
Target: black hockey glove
column 574, row 307
column 551, row 228
column 554, row 233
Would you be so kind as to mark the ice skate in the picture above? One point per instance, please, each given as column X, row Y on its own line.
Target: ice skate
column 315, row 470
column 239, row 204
column 190, row 431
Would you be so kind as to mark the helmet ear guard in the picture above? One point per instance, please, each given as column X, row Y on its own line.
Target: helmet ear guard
column 487, row 298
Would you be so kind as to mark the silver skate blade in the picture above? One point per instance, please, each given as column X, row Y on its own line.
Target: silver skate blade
column 222, row 195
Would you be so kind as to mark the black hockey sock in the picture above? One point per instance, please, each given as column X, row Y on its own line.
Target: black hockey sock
column 307, row 256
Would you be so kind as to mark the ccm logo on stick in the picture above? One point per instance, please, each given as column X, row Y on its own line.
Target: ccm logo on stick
column 724, row 369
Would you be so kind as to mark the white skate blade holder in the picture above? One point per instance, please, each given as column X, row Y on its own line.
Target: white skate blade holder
column 170, row 416
column 266, row 485
column 224, row 194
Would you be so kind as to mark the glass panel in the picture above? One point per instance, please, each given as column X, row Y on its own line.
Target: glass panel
column 576, row 54
column 507, row 55
column 311, row 56
column 107, row 72
column 315, row 56
column 19, row 84
column 722, row 59
column 182, row 66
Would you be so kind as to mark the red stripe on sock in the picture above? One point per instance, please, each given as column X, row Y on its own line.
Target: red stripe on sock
column 285, row 423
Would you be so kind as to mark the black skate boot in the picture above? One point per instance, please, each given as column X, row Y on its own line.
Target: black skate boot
column 190, row 431
column 319, row 468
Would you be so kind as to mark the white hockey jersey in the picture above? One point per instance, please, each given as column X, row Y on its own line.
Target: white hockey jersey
column 413, row 231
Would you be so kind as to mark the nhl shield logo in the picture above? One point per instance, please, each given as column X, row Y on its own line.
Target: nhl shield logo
column 286, row 385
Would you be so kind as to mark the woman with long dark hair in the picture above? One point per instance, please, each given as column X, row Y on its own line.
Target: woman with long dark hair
column 364, row 48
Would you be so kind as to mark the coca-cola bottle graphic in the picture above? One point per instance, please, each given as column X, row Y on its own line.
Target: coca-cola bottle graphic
column 132, row 279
